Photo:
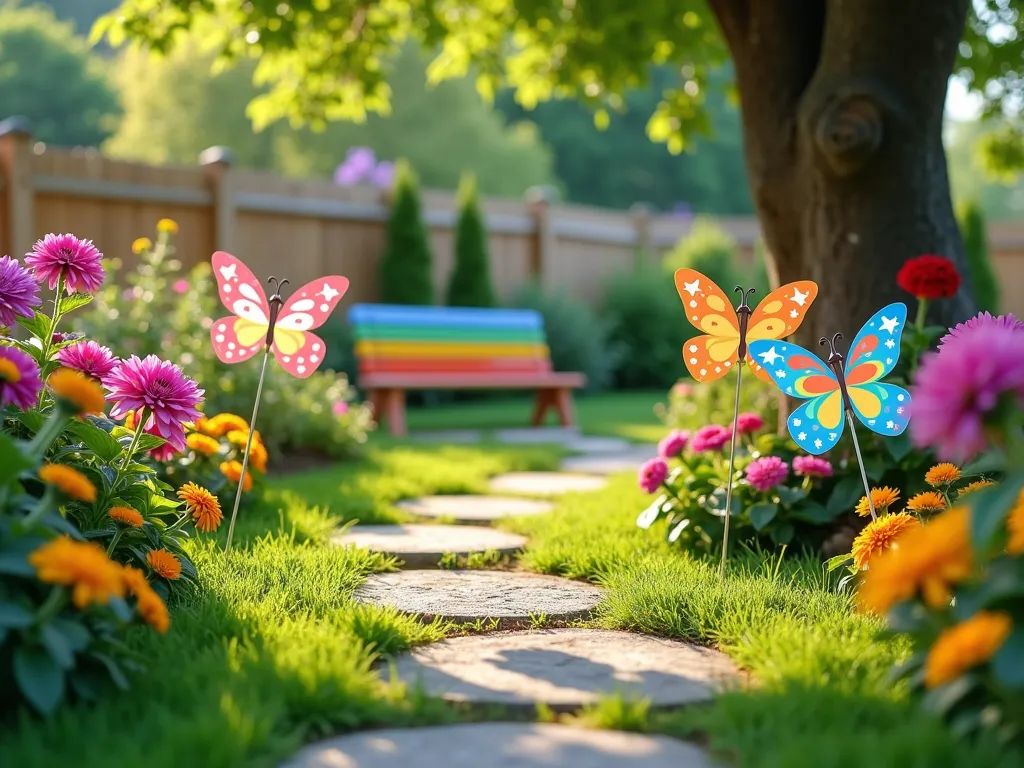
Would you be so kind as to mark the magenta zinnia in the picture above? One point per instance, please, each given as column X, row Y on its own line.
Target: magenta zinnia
column 653, row 474
column 748, row 422
column 767, row 472
column 982, row 320
column 811, row 466
column 957, row 389
column 169, row 397
column 673, row 444
column 19, row 379
column 18, row 291
column 74, row 259
column 709, row 438
column 88, row 357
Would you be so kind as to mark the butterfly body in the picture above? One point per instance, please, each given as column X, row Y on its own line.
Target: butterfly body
column 241, row 335
column 832, row 390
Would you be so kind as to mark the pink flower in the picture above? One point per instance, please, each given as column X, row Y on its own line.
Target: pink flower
column 340, row 408
column 78, row 261
column 18, row 292
column 767, row 472
column 163, row 452
column 673, row 444
column 89, row 358
column 812, row 466
column 709, row 438
column 982, row 320
column 19, row 379
column 169, row 397
column 682, row 389
column 957, row 389
column 181, row 286
column 748, row 422
column 653, row 474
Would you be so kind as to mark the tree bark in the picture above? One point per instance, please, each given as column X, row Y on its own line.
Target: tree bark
column 842, row 105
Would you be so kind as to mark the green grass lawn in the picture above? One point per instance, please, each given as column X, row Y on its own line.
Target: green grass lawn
column 272, row 652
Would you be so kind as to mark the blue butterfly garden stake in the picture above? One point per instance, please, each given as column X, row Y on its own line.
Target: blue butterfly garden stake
column 833, row 389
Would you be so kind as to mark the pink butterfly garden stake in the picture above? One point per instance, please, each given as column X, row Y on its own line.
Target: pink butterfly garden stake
column 275, row 325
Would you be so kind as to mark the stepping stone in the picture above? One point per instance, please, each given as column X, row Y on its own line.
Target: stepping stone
column 467, row 596
column 601, row 465
column 589, row 444
column 565, row 669
column 499, row 745
column 475, row 510
column 536, row 435
column 546, row 483
column 452, row 436
column 422, row 546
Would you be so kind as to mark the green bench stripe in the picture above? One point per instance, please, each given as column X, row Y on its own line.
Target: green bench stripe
column 449, row 334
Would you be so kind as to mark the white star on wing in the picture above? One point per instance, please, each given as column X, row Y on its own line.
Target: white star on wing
column 797, row 422
column 798, row 297
column 890, row 343
column 817, row 443
column 781, row 374
column 802, row 436
column 328, row 293
column 228, row 273
column 890, row 425
column 771, row 356
column 889, row 324
column 691, row 288
column 793, row 313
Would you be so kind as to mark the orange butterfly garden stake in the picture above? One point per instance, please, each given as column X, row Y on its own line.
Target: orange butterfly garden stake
column 276, row 325
column 724, row 344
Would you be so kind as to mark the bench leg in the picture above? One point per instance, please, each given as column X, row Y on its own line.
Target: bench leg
column 566, row 409
column 544, row 399
column 394, row 405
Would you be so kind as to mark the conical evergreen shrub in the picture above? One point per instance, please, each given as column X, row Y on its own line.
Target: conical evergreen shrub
column 405, row 271
column 470, row 283
column 972, row 229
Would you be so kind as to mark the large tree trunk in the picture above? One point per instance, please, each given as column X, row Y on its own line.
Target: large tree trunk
column 842, row 105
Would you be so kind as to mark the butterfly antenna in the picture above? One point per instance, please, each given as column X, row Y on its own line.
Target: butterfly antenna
column 743, row 296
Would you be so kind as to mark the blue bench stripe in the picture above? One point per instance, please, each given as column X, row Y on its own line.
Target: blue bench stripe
column 451, row 317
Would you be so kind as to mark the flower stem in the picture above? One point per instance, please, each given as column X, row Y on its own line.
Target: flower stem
column 52, row 606
column 922, row 310
column 140, row 422
column 45, row 501
column 47, row 343
column 113, row 541
column 49, row 432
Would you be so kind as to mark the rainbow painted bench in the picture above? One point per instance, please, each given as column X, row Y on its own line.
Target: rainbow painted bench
column 400, row 348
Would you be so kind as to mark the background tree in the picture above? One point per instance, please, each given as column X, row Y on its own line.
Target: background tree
column 83, row 13
column 1001, row 195
column 470, row 283
column 972, row 227
column 406, row 267
column 48, row 76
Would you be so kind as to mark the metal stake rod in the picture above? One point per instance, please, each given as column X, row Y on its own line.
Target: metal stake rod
column 860, row 463
column 732, row 467
column 248, row 446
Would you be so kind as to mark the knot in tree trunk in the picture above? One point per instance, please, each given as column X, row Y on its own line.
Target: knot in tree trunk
column 848, row 131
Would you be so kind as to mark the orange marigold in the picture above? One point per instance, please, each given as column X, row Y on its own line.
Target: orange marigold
column 170, row 226
column 76, row 391
column 928, row 559
column 942, row 475
column 202, row 505
column 126, row 515
column 148, row 603
column 232, row 470
column 68, row 481
column 965, row 645
column 208, row 428
column 164, row 564
column 1015, row 527
column 977, row 485
column 882, row 498
column 228, row 422
column 84, row 566
column 203, row 444
column 927, row 501
column 879, row 535
column 258, row 457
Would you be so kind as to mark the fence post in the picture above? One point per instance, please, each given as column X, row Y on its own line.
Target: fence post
column 642, row 217
column 538, row 202
column 217, row 162
column 19, row 216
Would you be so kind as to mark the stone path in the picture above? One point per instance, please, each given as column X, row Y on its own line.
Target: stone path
column 546, row 483
column 423, row 546
column 474, row 510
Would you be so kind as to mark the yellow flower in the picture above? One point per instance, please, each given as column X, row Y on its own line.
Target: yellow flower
column 68, row 481
column 882, row 498
column 1015, row 526
column 204, row 426
column 202, row 505
column 141, row 244
column 227, row 422
column 126, row 515
column 258, row 457
column 9, row 371
column 170, row 226
column 977, row 485
column 942, row 474
column 164, row 564
column 928, row 501
column 95, row 578
column 81, row 392
column 232, row 470
column 148, row 603
column 879, row 535
column 965, row 645
column 928, row 559
column 129, row 420
column 203, row 444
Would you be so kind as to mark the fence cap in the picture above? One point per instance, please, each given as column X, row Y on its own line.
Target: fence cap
column 541, row 194
column 217, row 156
column 16, row 125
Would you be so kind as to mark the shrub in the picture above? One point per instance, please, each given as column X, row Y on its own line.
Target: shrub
column 405, row 269
column 470, row 284
column 710, row 250
column 577, row 338
column 979, row 265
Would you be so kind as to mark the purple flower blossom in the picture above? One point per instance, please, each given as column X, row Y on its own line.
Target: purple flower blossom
column 710, row 438
column 982, row 320
column 653, row 474
column 19, row 379
column 957, row 388
column 358, row 166
column 383, row 175
column 812, row 466
column 767, row 472
column 88, row 357
column 169, row 397
column 18, row 291
column 748, row 422
column 673, row 444
column 77, row 260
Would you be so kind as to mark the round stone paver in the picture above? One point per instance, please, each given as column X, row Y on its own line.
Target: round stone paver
column 474, row 510
column 499, row 745
column 546, row 483
column 422, row 546
column 464, row 596
column 601, row 465
column 591, row 444
column 565, row 669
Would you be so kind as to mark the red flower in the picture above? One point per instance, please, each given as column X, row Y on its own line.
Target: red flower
column 929, row 277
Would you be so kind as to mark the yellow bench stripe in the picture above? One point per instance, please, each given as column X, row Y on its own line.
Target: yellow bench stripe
column 379, row 349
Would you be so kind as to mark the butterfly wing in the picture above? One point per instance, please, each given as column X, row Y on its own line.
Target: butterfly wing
column 238, row 338
column 708, row 357
column 884, row 408
column 817, row 425
column 778, row 315
column 875, row 350
column 299, row 351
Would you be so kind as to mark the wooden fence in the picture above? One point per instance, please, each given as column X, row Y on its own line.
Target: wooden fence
column 304, row 229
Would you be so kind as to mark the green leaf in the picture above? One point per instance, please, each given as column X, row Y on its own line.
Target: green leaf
column 715, row 503
column 38, row 325
column 838, row 562
column 789, row 495
column 75, row 634
column 812, row 512
column 1008, row 663
column 57, row 645
column 98, row 441
column 33, row 420
column 12, row 460
column 148, row 442
column 845, row 495
column 114, row 669
column 898, row 446
column 762, row 514
column 676, row 532
column 875, row 468
column 14, row 616
column 989, row 508
column 942, row 699
column 987, row 463
column 73, row 301
column 1003, row 582
column 39, row 677
column 782, row 534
